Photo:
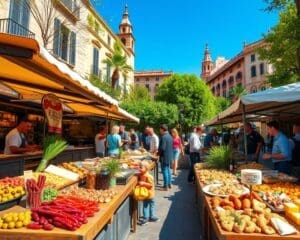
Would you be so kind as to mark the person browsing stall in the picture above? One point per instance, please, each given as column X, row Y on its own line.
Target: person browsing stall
column 15, row 140
column 281, row 152
column 114, row 142
column 100, row 140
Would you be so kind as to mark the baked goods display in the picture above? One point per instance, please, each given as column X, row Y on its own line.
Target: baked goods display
column 209, row 176
column 279, row 177
column 225, row 189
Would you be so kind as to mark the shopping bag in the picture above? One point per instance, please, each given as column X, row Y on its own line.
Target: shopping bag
column 140, row 193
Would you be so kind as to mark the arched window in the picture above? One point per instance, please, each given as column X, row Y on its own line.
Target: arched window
column 230, row 80
column 218, row 86
column 123, row 41
column 213, row 89
column 253, row 71
column 238, row 77
column 224, row 83
column 262, row 88
column 253, row 89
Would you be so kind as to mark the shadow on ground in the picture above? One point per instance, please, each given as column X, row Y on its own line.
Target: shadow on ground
column 182, row 221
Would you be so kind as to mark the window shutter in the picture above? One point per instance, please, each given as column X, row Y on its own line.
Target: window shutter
column 108, row 73
column 14, row 14
column 56, row 38
column 72, row 48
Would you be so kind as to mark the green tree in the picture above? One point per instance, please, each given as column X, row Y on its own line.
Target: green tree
column 137, row 93
column 118, row 61
column 237, row 91
column 192, row 97
column 105, row 87
column 151, row 113
column 221, row 104
column 282, row 43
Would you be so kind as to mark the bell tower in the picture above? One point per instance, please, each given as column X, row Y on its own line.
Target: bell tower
column 125, row 31
column 207, row 64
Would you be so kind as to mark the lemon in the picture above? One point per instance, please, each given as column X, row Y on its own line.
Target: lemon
column 11, row 225
column 4, row 225
column 19, row 224
column 15, row 218
column 26, row 222
column 21, row 217
column 8, row 219
column 4, row 199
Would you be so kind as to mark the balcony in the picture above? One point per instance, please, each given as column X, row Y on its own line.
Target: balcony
column 69, row 7
column 7, row 25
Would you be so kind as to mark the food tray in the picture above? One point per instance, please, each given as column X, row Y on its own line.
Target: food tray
column 10, row 203
column 206, row 189
column 127, row 174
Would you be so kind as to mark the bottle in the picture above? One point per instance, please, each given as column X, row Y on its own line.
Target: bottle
column 91, row 179
column 231, row 165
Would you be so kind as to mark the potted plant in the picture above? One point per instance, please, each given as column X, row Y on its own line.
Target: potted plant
column 113, row 166
column 219, row 157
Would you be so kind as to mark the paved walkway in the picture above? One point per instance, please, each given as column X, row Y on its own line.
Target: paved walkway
column 176, row 208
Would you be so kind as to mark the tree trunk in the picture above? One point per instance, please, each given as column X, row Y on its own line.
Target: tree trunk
column 114, row 78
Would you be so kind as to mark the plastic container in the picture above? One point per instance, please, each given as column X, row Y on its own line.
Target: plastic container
column 91, row 179
column 102, row 179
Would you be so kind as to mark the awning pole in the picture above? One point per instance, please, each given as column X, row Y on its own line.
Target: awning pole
column 245, row 136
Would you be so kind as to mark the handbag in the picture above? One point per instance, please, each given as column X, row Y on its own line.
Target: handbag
column 140, row 193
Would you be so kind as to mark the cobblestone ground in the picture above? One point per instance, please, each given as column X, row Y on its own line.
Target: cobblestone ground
column 176, row 208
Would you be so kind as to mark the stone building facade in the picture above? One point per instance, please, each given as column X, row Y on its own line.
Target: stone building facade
column 79, row 35
column 245, row 69
column 150, row 79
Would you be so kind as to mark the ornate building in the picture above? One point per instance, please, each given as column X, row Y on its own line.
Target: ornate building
column 79, row 35
column 245, row 69
column 150, row 79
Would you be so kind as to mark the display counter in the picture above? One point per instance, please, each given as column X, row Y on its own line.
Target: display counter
column 112, row 221
column 211, row 229
column 15, row 164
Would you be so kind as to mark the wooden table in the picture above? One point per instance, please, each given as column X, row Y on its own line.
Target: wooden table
column 211, row 229
column 87, row 231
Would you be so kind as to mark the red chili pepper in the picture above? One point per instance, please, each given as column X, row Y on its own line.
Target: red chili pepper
column 48, row 227
column 34, row 226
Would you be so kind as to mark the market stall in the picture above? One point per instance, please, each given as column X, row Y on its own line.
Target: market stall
column 225, row 204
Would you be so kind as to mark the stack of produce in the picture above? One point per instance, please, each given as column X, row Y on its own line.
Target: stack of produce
column 34, row 191
column 8, row 192
column 102, row 196
column 64, row 212
column 11, row 220
column 208, row 176
column 52, row 180
column 253, row 215
column 290, row 189
column 74, row 168
column 252, row 165
column 49, row 194
column 12, row 181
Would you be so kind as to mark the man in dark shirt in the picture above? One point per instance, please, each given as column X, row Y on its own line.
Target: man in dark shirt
column 165, row 151
column 254, row 143
column 124, row 137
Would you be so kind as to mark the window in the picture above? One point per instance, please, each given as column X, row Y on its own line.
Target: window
column 263, row 88
column 19, row 13
column 252, row 57
column 213, row 90
column 64, row 42
column 148, row 87
column 262, row 69
column 137, row 79
column 72, row 5
column 107, row 73
column 108, row 40
column 95, row 69
column 253, row 89
column 238, row 77
column 147, row 79
column 230, row 80
column 253, row 71
column 157, row 79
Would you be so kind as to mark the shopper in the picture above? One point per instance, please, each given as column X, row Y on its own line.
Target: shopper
column 146, row 180
column 145, row 139
column 134, row 140
column 165, row 151
column 124, row 137
column 100, row 140
column 177, row 149
column 114, row 142
column 154, row 141
column 15, row 140
column 295, row 144
column 281, row 155
column 195, row 146
column 254, row 143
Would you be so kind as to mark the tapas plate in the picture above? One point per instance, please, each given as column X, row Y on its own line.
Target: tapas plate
column 224, row 190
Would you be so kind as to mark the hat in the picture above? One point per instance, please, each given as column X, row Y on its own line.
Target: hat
column 164, row 127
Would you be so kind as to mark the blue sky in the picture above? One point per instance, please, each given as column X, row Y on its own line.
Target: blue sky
column 171, row 34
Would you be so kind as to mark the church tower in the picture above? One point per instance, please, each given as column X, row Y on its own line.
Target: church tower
column 207, row 64
column 125, row 31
